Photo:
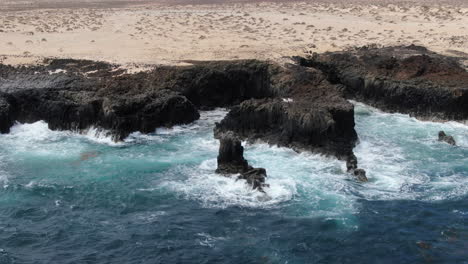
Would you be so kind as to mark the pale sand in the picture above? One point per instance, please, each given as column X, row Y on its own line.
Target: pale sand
column 170, row 34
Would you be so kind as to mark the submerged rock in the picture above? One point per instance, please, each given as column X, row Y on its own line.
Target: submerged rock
column 445, row 138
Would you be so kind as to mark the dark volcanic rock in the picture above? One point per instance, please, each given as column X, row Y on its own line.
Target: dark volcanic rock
column 314, row 116
column 351, row 163
column 231, row 161
column 121, row 115
column 402, row 79
column 351, row 166
column 207, row 84
column 231, row 155
column 445, row 138
column 6, row 117
column 75, row 94
column 360, row 175
column 256, row 178
column 286, row 105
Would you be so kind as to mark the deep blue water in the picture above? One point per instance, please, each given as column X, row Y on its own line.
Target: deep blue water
column 68, row 198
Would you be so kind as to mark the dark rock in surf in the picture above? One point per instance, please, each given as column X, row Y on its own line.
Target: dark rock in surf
column 231, row 161
column 445, row 138
column 351, row 163
column 256, row 178
column 351, row 167
column 360, row 175
column 231, row 155
column 6, row 117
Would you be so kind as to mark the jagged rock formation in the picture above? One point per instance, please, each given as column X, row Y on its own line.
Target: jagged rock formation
column 446, row 138
column 313, row 115
column 288, row 105
column 231, row 161
column 352, row 167
column 75, row 95
column 231, row 155
column 400, row 79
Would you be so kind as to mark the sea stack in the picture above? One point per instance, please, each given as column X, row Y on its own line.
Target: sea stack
column 351, row 166
column 231, row 161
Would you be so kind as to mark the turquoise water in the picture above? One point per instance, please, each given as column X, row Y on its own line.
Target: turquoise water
column 70, row 198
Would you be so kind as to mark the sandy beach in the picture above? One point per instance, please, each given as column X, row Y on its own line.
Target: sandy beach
column 149, row 32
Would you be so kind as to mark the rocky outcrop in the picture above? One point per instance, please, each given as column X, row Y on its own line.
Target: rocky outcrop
column 255, row 178
column 399, row 79
column 75, row 95
column 121, row 115
column 286, row 105
column 313, row 117
column 231, row 155
column 352, row 167
column 446, row 138
column 231, row 161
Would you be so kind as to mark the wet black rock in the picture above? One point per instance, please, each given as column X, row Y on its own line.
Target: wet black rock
column 446, row 138
column 351, row 163
column 351, row 166
column 255, row 178
column 231, row 155
column 360, row 175
column 231, row 161
column 6, row 120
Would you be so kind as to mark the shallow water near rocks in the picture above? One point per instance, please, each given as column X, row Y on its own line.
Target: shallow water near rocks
column 69, row 198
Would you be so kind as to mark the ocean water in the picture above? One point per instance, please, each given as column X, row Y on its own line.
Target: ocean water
column 70, row 198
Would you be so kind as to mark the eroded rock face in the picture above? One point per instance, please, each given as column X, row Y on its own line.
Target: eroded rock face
column 6, row 120
column 400, row 79
column 75, row 94
column 255, row 178
column 231, row 155
column 352, row 167
column 446, row 138
column 312, row 116
column 121, row 115
column 360, row 175
column 231, row 161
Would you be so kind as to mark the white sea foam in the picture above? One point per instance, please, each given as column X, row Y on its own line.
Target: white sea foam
column 216, row 191
column 100, row 136
column 207, row 240
column 402, row 157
